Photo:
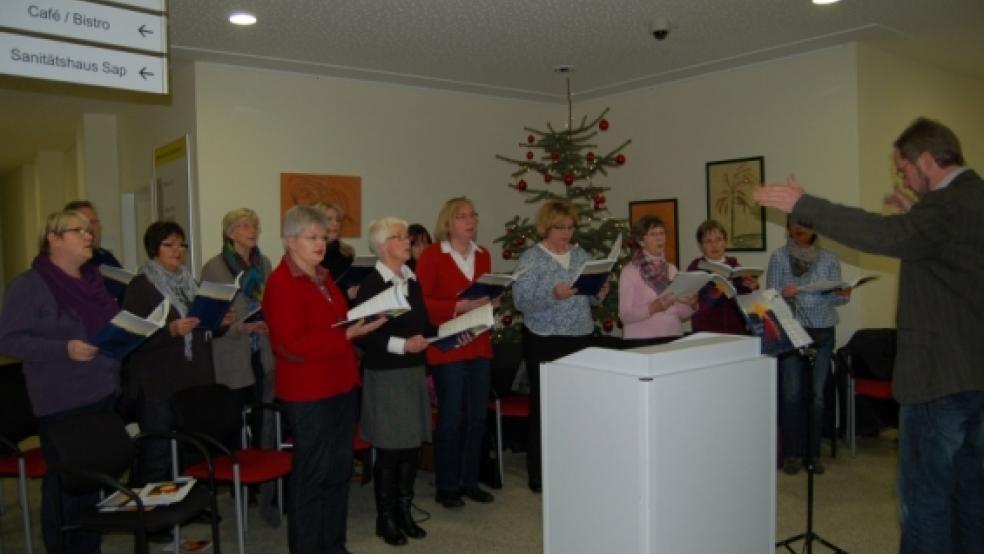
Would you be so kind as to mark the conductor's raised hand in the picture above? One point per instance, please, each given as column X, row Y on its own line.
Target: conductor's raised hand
column 781, row 196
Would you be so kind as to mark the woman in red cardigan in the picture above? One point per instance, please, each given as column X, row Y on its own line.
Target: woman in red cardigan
column 462, row 375
column 317, row 372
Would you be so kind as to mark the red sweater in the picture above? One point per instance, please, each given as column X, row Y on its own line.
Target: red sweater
column 441, row 281
column 314, row 360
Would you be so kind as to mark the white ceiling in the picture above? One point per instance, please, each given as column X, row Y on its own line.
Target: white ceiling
column 509, row 47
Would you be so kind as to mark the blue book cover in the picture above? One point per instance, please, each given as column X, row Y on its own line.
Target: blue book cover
column 212, row 302
column 361, row 267
column 590, row 284
column 127, row 331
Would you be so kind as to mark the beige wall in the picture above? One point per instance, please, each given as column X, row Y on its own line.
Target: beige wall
column 19, row 217
column 800, row 113
column 414, row 148
column 893, row 91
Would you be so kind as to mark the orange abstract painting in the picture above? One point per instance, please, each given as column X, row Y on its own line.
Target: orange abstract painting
column 311, row 190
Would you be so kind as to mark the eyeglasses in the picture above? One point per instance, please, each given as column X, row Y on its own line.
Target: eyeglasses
column 563, row 227
column 398, row 237
column 80, row 230
column 173, row 245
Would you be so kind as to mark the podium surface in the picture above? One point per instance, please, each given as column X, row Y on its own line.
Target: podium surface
column 662, row 449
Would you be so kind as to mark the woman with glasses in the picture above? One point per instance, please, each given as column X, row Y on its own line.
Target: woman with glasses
column 462, row 376
column 646, row 312
column 396, row 414
column 242, row 356
column 49, row 313
column 556, row 319
column 716, row 313
column 317, row 378
column 176, row 357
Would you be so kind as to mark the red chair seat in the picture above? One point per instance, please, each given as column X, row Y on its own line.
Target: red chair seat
column 255, row 466
column 35, row 465
column 358, row 443
column 873, row 388
column 514, row 406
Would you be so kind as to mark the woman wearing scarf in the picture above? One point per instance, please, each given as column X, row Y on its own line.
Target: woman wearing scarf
column 176, row 357
column 648, row 315
column 48, row 314
column 799, row 263
column 242, row 356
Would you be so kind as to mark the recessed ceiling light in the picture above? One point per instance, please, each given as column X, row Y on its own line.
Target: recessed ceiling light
column 825, row 2
column 242, row 18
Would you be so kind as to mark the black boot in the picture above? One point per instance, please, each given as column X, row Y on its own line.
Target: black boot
column 406, row 475
column 385, row 488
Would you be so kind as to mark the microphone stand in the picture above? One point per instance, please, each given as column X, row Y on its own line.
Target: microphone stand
column 809, row 535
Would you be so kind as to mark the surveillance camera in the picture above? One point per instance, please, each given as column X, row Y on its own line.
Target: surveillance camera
column 660, row 28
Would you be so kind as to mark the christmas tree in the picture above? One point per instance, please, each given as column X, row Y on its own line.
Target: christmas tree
column 568, row 165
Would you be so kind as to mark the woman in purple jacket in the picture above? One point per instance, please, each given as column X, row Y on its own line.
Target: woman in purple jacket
column 49, row 313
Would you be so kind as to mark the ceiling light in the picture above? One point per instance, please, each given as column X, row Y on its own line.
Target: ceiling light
column 825, row 2
column 242, row 18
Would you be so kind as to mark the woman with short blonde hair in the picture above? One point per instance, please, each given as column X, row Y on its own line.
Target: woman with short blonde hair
column 556, row 319
column 48, row 313
column 462, row 376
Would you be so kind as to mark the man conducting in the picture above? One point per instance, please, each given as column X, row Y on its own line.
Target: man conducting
column 939, row 363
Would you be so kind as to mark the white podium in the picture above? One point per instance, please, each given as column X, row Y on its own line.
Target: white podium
column 665, row 449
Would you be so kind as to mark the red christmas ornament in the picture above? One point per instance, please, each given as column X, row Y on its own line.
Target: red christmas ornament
column 555, row 156
column 531, row 139
column 620, row 159
column 603, row 124
column 507, row 320
column 547, row 177
column 521, row 185
column 506, row 254
column 568, row 179
column 600, row 199
column 529, row 154
column 590, row 157
column 607, row 325
column 520, row 241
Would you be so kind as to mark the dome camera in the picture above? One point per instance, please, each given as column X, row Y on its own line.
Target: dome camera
column 660, row 28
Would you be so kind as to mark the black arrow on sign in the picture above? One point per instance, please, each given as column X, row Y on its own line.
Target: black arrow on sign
column 144, row 31
column 144, row 73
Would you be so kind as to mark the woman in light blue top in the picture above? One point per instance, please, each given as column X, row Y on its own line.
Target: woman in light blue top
column 796, row 264
column 556, row 319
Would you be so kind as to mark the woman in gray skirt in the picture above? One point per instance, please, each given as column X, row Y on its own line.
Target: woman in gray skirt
column 395, row 408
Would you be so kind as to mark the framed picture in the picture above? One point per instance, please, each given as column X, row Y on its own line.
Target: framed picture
column 306, row 189
column 730, row 184
column 666, row 210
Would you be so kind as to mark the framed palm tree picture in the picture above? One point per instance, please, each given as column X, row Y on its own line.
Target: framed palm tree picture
column 730, row 184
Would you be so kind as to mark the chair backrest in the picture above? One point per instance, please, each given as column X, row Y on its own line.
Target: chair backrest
column 209, row 409
column 91, row 442
column 872, row 353
column 17, row 419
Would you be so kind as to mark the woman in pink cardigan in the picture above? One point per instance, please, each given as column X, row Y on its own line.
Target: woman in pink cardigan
column 645, row 311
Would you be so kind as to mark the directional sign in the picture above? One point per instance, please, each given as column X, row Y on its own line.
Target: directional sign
column 85, row 21
column 88, row 65
column 155, row 5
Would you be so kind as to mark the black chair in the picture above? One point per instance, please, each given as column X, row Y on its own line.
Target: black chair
column 211, row 414
column 93, row 452
column 867, row 360
column 17, row 422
